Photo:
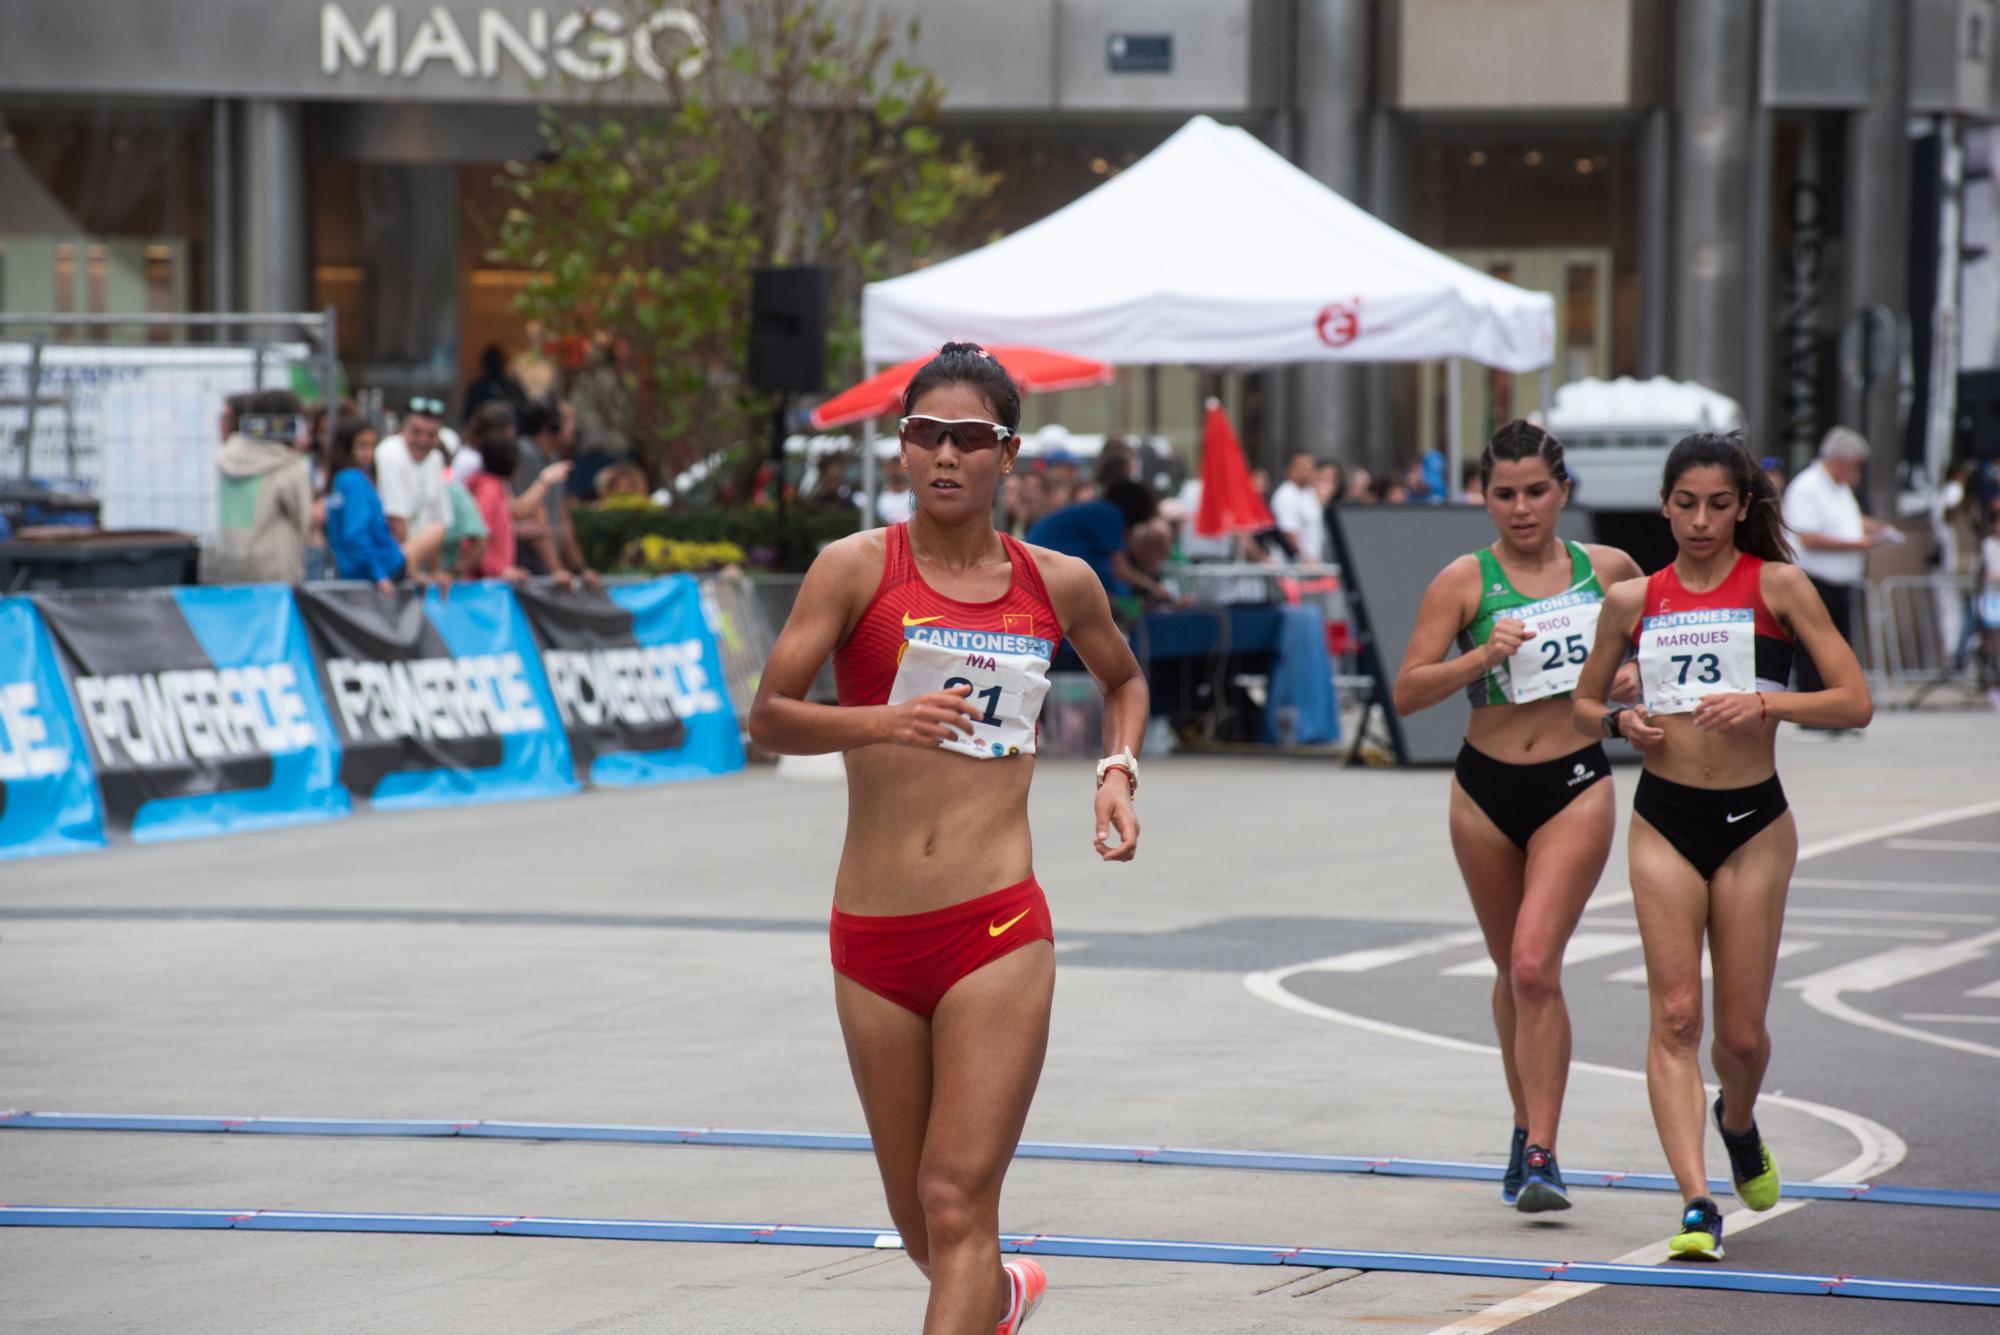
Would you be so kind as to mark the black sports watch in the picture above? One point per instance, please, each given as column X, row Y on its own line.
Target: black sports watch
column 1611, row 721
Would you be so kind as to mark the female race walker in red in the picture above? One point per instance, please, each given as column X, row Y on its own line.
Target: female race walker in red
column 1532, row 813
column 1713, row 843
column 941, row 631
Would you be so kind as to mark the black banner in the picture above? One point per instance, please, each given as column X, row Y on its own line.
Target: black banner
column 392, row 687
column 611, row 695
column 198, row 707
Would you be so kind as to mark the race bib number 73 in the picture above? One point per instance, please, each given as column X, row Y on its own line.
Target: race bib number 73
column 1686, row 656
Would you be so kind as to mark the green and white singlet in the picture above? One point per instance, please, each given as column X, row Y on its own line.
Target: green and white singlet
column 1560, row 629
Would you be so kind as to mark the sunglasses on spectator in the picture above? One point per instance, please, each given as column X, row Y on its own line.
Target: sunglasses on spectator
column 968, row 433
column 428, row 407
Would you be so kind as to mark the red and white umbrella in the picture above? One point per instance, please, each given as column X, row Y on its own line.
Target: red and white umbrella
column 1031, row 368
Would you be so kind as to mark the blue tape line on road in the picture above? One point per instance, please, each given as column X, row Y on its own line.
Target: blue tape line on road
column 1069, row 1152
column 1117, row 1249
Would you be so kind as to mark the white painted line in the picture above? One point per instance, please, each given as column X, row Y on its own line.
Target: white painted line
column 1827, row 1002
column 1869, row 933
column 1893, row 968
column 1881, row 1148
column 1361, row 961
column 1898, row 887
column 1987, row 992
column 1943, row 846
column 1928, row 1017
column 1582, row 947
column 1910, row 826
column 1892, row 915
column 1638, row 974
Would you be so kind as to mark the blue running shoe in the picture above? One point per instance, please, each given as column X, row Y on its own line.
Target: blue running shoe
column 1700, row 1238
column 1510, row 1185
column 1542, row 1187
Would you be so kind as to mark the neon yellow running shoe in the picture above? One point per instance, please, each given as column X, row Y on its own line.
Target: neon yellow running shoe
column 1751, row 1166
column 1700, row 1238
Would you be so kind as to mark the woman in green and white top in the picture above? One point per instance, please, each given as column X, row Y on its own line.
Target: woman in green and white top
column 1531, row 815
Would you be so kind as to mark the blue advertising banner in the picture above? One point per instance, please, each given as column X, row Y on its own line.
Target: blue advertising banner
column 638, row 681
column 48, row 796
column 199, row 708
column 436, row 700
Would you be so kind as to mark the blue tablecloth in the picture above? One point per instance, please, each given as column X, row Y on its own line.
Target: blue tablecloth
column 1301, row 682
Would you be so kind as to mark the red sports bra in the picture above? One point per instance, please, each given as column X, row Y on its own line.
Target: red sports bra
column 904, row 607
column 1742, row 587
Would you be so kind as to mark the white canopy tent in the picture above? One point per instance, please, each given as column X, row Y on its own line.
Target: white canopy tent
column 1214, row 250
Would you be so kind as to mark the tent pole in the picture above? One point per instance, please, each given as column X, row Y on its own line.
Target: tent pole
column 1548, row 391
column 1454, row 380
column 869, row 470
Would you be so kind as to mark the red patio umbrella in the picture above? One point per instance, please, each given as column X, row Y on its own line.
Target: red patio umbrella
column 1229, row 504
column 1032, row 368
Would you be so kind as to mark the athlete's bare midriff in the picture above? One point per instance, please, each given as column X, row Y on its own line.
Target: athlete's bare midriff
column 1735, row 759
column 1525, row 734
column 926, row 830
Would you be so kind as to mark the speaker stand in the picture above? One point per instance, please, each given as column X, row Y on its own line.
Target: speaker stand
column 780, row 409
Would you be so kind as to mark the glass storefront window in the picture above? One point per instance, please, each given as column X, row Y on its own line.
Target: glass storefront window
column 102, row 205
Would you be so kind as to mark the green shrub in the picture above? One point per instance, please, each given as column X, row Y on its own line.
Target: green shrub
column 607, row 532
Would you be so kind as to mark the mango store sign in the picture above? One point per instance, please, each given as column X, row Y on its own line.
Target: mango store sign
column 590, row 44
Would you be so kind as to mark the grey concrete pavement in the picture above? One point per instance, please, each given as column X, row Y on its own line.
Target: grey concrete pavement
column 659, row 957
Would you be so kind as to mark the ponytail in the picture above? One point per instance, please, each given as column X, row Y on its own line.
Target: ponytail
column 1761, row 531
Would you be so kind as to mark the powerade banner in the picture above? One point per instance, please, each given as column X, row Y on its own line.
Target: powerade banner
column 638, row 681
column 199, row 708
column 48, row 796
column 436, row 699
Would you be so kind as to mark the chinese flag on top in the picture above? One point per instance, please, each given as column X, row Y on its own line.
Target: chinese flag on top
column 1229, row 504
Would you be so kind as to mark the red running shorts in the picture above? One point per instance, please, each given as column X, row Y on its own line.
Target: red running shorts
column 913, row 959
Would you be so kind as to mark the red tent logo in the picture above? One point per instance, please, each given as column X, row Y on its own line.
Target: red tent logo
column 1339, row 324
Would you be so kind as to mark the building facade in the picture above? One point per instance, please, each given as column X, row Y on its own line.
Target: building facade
column 1748, row 193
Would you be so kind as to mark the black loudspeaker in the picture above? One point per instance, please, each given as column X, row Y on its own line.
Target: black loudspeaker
column 788, row 328
column 1979, row 414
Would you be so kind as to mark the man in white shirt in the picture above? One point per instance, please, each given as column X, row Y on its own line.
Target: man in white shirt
column 1296, row 509
column 410, row 477
column 1833, row 537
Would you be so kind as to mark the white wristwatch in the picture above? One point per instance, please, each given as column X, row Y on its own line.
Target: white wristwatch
column 1124, row 760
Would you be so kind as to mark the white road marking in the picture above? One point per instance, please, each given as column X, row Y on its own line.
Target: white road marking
column 1892, row 915
column 1987, row 992
column 1892, row 968
column 1582, row 947
column 1840, row 843
column 1828, row 1002
column 1822, row 991
column 1943, row 846
column 1931, row 1018
column 1638, row 974
column 1361, row 961
column 1898, row 887
column 1869, row 933
column 1880, row 1148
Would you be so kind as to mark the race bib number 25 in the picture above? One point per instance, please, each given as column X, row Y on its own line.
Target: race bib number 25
column 1550, row 660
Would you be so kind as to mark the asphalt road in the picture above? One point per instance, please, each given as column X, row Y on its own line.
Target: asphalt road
column 658, row 957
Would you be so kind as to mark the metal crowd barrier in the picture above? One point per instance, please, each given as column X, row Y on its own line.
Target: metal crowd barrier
column 1923, row 633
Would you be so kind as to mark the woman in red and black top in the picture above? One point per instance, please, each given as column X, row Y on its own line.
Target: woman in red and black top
column 1713, row 842
column 941, row 631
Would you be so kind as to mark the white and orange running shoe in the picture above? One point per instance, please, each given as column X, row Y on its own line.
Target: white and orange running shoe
column 1029, row 1282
